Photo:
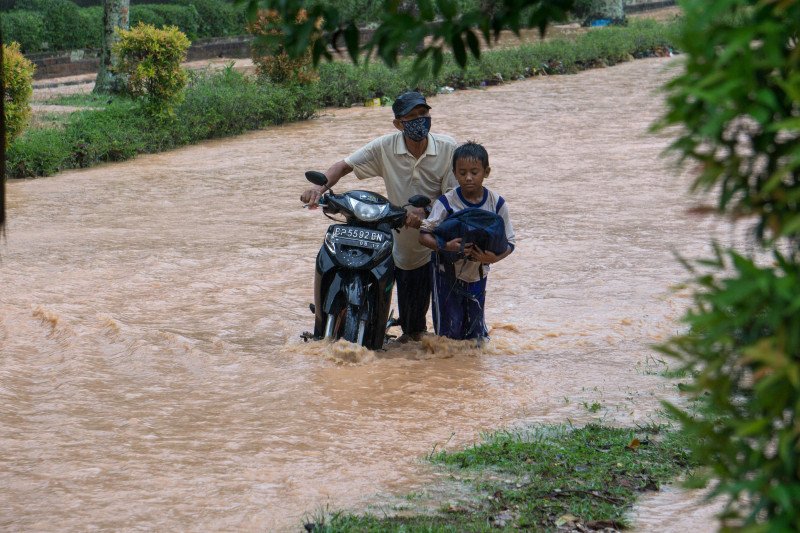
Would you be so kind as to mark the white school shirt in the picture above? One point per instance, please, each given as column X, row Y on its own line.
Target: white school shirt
column 405, row 176
column 466, row 269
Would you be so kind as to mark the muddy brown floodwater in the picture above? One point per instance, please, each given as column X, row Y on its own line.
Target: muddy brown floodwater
column 151, row 370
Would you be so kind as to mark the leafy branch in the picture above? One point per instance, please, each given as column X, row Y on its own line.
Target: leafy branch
column 428, row 28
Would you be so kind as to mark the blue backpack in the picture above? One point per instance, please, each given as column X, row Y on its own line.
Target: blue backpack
column 475, row 226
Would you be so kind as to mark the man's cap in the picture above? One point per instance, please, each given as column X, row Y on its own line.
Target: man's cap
column 406, row 102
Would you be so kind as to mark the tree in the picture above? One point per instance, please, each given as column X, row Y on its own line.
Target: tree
column 431, row 28
column 737, row 103
column 115, row 17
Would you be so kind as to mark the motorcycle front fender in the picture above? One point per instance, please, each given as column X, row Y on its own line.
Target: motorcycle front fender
column 351, row 288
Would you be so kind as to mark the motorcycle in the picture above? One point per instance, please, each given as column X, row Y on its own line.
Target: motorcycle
column 354, row 268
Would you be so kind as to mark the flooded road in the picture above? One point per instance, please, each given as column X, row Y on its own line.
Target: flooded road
column 151, row 370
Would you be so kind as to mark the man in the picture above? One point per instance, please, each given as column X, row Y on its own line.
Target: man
column 410, row 161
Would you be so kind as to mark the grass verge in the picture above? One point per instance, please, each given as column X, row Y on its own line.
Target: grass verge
column 543, row 479
column 227, row 103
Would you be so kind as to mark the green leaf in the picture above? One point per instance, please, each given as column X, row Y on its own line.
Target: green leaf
column 474, row 45
column 351, row 35
column 459, row 52
column 752, row 428
column 788, row 124
column 438, row 60
column 426, row 10
column 791, row 226
column 448, row 8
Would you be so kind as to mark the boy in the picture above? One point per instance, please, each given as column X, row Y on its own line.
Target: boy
column 459, row 288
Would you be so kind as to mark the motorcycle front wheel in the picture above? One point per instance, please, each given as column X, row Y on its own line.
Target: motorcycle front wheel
column 353, row 327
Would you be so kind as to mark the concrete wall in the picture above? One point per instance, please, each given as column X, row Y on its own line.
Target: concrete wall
column 632, row 6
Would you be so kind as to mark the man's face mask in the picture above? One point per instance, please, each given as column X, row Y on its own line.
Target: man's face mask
column 417, row 129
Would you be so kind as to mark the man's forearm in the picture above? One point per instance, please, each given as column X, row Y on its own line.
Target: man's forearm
column 428, row 240
column 336, row 171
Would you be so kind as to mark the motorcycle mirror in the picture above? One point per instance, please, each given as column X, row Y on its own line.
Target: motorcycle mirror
column 419, row 201
column 315, row 177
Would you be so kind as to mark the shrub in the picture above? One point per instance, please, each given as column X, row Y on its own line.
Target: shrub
column 737, row 103
column 185, row 18
column 343, row 84
column 144, row 14
column 39, row 153
column 271, row 60
column 90, row 32
column 112, row 134
column 18, row 76
column 228, row 102
column 61, row 19
column 216, row 105
column 363, row 12
column 216, row 18
column 25, row 28
column 150, row 60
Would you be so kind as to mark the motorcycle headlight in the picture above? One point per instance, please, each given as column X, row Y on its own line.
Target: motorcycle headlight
column 367, row 212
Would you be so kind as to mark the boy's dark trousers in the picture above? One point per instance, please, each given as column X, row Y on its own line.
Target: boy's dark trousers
column 413, row 298
column 457, row 305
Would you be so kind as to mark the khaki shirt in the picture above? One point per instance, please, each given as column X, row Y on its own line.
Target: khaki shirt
column 404, row 175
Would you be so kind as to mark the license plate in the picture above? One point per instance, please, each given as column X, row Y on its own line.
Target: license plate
column 355, row 236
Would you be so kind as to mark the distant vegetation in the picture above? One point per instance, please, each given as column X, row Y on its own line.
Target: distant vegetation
column 229, row 103
column 47, row 25
column 51, row 25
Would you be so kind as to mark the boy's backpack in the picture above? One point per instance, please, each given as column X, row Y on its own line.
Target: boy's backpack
column 475, row 226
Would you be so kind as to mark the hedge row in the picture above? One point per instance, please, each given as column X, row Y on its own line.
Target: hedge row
column 228, row 103
column 343, row 84
column 217, row 105
column 40, row 25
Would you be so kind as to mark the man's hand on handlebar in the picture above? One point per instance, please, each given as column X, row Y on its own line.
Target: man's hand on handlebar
column 414, row 217
column 310, row 197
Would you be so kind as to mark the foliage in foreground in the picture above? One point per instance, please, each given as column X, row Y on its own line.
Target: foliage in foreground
column 18, row 76
column 738, row 103
column 541, row 479
column 429, row 27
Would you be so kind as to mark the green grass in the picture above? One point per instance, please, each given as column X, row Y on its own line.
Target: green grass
column 540, row 479
column 51, row 120
column 81, row 100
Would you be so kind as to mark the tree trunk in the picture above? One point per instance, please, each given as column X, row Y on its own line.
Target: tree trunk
column 115, row 15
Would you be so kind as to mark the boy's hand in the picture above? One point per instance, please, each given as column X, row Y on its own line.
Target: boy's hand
column 453, row 246
column 479, row 255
